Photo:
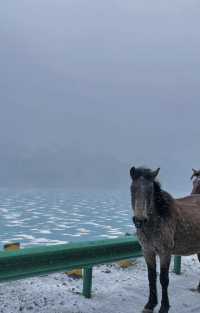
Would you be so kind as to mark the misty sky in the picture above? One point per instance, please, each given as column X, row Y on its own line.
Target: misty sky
column 107, row 79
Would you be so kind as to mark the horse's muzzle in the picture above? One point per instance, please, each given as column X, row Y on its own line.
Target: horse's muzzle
column 139, row 222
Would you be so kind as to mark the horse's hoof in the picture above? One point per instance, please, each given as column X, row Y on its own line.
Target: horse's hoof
column 147, row 311
column 164, row 310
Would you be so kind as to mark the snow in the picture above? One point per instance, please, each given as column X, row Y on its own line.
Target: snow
column 115, row 290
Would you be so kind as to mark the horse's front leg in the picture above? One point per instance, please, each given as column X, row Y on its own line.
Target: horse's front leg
column 150, row 259
column 164, row 280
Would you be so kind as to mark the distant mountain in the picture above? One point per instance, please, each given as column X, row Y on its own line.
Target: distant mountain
column 60, row 168
column 69, row 167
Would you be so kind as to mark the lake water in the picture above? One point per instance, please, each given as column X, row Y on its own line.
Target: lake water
column 58, row 216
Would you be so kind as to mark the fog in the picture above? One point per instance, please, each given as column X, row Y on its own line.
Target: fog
column 90, row 88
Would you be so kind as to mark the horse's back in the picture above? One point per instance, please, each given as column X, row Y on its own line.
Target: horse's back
column 189, row 207
column 189, row 201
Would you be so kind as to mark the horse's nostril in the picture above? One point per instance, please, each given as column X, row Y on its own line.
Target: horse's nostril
column 139, row 222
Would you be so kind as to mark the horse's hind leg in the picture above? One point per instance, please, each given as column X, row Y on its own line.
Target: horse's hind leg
column 198, row 287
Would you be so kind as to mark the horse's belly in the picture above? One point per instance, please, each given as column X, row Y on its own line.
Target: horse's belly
column 186, row 250
column 187, row 240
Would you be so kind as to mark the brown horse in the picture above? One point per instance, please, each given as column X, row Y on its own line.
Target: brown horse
column 165, row 226
column 196, row 182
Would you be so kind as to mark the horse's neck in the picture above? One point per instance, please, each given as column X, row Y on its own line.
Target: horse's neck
column 196, row 190
column 196, row 186
column 163, row 203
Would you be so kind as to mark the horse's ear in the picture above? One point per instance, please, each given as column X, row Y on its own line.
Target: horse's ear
column 194, row 172
column 155, row 173
column 132, row 172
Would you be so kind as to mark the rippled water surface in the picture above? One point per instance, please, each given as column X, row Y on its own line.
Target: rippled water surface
column 51, row 217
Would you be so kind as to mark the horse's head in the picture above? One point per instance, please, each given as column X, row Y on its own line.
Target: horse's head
column 196, row 173
column 196, row 181
column 142, row 194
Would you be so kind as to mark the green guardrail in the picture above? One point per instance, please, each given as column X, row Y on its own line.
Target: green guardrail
column 30, row 262
column 177, row 264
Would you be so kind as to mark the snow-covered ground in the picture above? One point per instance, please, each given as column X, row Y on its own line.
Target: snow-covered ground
column 115, row 290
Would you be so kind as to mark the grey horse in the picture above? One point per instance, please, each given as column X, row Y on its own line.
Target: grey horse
column 165, row 227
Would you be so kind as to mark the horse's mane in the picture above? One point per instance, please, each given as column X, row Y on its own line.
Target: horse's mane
column 163, row 200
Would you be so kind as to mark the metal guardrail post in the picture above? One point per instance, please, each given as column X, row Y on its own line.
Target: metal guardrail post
column 87, row 282
column 177, row 264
